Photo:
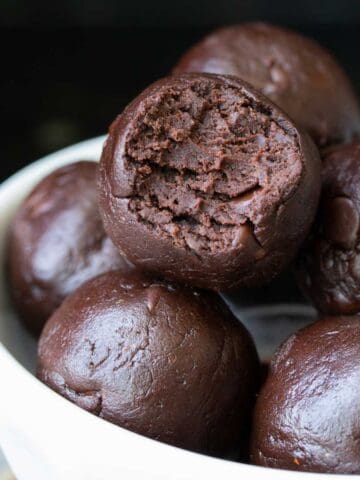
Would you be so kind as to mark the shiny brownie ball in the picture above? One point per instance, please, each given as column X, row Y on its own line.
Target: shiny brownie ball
column 294, row 71
column 205, row 181
column 57, row 242
column 329, row 267
column 307, row 414
column 161, row 360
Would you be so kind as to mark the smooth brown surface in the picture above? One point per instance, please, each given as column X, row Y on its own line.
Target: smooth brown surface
column 295, row 72
column 57, row 242
column 204, row 181
column 329, row 268
column 307, row 414
column 162, row 360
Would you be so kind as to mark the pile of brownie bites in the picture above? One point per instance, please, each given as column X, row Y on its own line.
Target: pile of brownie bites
column 209, row 181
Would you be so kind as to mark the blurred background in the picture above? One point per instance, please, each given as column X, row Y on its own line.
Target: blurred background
column 69, row 67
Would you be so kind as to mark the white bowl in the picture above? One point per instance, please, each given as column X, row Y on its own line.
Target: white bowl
column 44, row 436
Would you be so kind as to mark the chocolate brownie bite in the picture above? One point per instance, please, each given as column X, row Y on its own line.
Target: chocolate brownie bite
column 57, row 242
column 328, row 269
column 205, row 181
column 307, row 414
column 293, row 71
column 162, row 360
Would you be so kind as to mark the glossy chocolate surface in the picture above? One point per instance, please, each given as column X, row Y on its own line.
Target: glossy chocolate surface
column 165, row 361
column 57, row 242
column 329, row 267
column 307, row 414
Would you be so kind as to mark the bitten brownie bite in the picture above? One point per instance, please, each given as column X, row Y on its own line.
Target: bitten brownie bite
column 57, row 242
column 162, row 360
column 307, row 414
column 329, row 267
column 205, row 181
column 294, row 71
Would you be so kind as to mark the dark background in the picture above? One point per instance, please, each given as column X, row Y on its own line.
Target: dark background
column 67, row 69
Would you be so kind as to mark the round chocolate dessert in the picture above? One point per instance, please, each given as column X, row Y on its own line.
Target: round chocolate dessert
column 57, row 242
column 329, row 268
column 205, row 181
column 307, row 414
column 294, row 71
column 162, row 360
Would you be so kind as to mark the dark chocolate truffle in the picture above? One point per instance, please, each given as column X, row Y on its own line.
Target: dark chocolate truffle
column 162, row 360
column 57, row 242
column 203, row 180
column 294, row 71
column 329, row 268
column 307, row 414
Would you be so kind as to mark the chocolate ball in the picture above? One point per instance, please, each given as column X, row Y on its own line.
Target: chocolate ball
column 294, row 71
column 162, row 360
column 307, row 414
column 205, row 181
column 329, row 267
column 57, row 242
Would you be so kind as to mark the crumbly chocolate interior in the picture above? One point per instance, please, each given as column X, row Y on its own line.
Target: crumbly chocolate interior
column 204, row 159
